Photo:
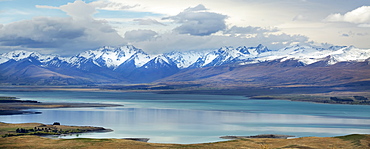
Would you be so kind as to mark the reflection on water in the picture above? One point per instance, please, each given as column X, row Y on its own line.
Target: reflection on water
column 203, row 120
column 193, row 126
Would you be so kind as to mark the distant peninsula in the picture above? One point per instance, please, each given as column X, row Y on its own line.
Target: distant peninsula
column 12, row 105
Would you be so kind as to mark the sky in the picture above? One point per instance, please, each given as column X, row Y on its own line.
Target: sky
column 68, row 27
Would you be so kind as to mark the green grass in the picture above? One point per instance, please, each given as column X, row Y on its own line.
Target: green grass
column 7, row 129
column 7, row 98
column 30, row 133
column 88, row 140
column 354, row 138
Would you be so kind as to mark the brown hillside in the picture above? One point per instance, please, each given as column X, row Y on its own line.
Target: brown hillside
column 276, row 74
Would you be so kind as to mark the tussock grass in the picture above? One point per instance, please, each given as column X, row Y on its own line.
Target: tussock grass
column 344, row 142
column 354, row 138
column 355, row 141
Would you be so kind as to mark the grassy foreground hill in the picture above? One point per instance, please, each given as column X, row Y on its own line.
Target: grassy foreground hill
column 8, row 130
column 29, row 140
column 344, row 142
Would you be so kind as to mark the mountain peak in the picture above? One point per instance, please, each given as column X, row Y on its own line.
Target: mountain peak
column 130, row 63
column 261, row 49
column 19, row 54
column 112, row 57
column 260, row 46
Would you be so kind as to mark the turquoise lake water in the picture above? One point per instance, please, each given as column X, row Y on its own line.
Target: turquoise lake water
column 180, row 118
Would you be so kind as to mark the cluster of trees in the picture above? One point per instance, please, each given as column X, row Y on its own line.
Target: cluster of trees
column 360, row 98
column 341, row 99
column 36, row 129
column 349, row 100
column 43, row 131
column 47, row 130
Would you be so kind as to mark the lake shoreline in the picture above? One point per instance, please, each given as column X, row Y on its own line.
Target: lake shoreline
column 324, row 95
column 15, row 134
column 148, row 94
column 54, row 130
column 348, row 141
column 14, row 106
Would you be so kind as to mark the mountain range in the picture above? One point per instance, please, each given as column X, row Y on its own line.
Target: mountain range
column 261, row 66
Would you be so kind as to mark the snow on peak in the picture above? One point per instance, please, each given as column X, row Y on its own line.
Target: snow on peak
column 140, row 59
column 22, row 54
column 310, row 54
column 113, row 57
column 161, row 59
column 351, row 54
column 109, row 56
column 185, row 59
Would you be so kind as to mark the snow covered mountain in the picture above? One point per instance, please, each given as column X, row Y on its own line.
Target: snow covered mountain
column 111, row 57
column 247, row 55
column 309, row 55
column 129, row 64
column 114, row 57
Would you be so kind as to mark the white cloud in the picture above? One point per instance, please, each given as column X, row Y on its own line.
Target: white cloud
column 199, row 7
column 249, row 30
column 139, row 35
column 299, row 17
column 197, row 21
column 70, row 35
column 105, row 5
column 148, row 22
column 46, row 7
column 79, row 10
column 360, row 15
column 364, row 25
column 213, row 24
column 183, row 42
column 345, row 35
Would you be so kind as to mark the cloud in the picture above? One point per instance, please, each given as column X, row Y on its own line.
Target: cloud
column 299, row 18
column 362, row 34
column 360, row 15
column 249, row 30
column 79, row 10
column 198, row 21
column 62, row 35
column 199, row 7
column 353, row 34
column 46, row 7
column 148, row 22
column 183, row 42
column 364, row 25
column 139, row 35
column 293, row 17
column 105, row 5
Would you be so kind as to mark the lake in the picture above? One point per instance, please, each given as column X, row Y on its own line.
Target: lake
column 188, row 118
